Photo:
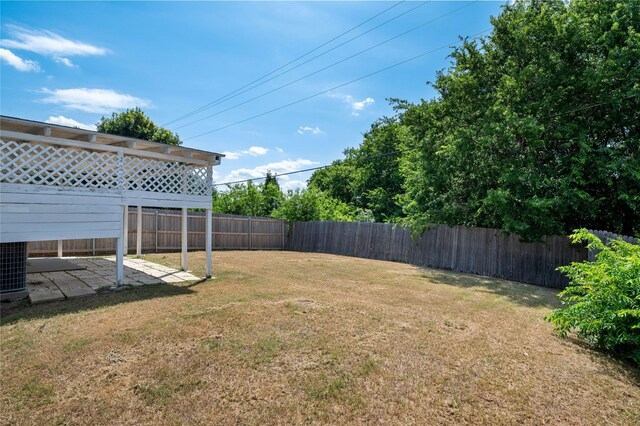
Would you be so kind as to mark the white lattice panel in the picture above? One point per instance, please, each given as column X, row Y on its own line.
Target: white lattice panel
column 57, row 166
column 199, row 181
column 33, row 163
column 144, row 174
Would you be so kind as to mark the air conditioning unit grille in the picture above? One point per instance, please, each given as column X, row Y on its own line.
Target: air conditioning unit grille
column 13, row 267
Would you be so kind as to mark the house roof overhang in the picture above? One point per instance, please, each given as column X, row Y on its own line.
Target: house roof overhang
column 37, row 131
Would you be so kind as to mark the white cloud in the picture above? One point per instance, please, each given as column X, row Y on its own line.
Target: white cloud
column 287, row 184
column 17, row 62
column 64, row 121
column 230, row 155
column 215, row 175
column 284, row 166
column 48, row 43
column 359, row 105
column 356, row 106
column 93, row 100
column 254, row 151
column 280, row 150
column 313, row 130
column 65, row 61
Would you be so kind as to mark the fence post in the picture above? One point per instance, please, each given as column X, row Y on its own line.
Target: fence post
column 250, row 231
column 156, row 231
column 282, row 223
column 93, row 247
column 139, row 231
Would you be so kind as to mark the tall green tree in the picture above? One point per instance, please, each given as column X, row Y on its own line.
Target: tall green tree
column 536, row 127
column 369, row 177
column 271, row 193
column 245, row 200
column 134, row 123
column 249, row 199
column 312, row 204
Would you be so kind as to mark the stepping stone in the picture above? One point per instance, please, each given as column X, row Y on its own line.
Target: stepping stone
column 94, row 281
column 42, row 290
column 186, row 276
column 160, row 267
column 171, row 279
column 69, row 285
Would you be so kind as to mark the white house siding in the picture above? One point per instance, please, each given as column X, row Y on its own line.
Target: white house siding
column 41, row 213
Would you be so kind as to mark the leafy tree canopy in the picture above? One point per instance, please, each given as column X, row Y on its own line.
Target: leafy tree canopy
column 134, row 123
column 312, row 204
column 534, row 130
column 369, row 177
column 267, row 200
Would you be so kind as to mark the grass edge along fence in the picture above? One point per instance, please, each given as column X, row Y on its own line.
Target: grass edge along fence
column 481, row 251
column 161, row 232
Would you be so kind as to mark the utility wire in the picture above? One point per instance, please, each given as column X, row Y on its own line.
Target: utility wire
column 321, row 69
column 330, row 89
column 586, row 107
column 285, row 65
column 313, row 168
column 238, row 92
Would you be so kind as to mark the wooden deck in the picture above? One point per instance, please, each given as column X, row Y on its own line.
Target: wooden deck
column 99, row 274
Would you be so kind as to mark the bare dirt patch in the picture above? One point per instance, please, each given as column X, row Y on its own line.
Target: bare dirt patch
column 294, row 338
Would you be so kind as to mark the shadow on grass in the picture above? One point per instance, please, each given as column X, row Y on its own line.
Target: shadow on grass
column 610, row 363
column 25, row 311
column 520, row 293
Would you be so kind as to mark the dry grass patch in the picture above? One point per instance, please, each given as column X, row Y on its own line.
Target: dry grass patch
column 282, row 338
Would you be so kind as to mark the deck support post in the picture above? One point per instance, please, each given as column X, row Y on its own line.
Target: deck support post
column 59, row 248
column 125, row 231
column 183, row 258
column 120, row 253
column 139, row 232
column 207, row 230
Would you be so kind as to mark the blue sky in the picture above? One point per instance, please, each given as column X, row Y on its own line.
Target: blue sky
column 73, row 62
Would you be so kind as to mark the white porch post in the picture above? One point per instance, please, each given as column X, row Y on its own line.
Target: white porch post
column 119, row 263
column 183, row 262
column 59, row 248
column 120, row 251
column 125, row 230
column 139, row 232
column 208, row 242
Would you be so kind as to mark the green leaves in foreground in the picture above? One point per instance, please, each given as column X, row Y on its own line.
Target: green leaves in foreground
column 603, row 298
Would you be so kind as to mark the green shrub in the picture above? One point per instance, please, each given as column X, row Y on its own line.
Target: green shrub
column 603, row 299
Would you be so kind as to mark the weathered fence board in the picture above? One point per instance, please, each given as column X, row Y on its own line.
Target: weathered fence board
column 161, row 232
column 479, row 251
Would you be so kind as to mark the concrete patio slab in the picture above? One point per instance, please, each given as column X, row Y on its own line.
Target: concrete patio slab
column 99, row 273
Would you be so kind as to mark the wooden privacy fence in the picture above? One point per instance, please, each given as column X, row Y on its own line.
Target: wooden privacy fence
column 481, row 251
column 161, row 232
column 605, row 236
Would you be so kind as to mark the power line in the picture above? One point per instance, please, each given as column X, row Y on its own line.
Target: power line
column 239, row 91
column 197, row 110
column 313, row 168
column 585, row 107
column 330, row 89
column 320, row 70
